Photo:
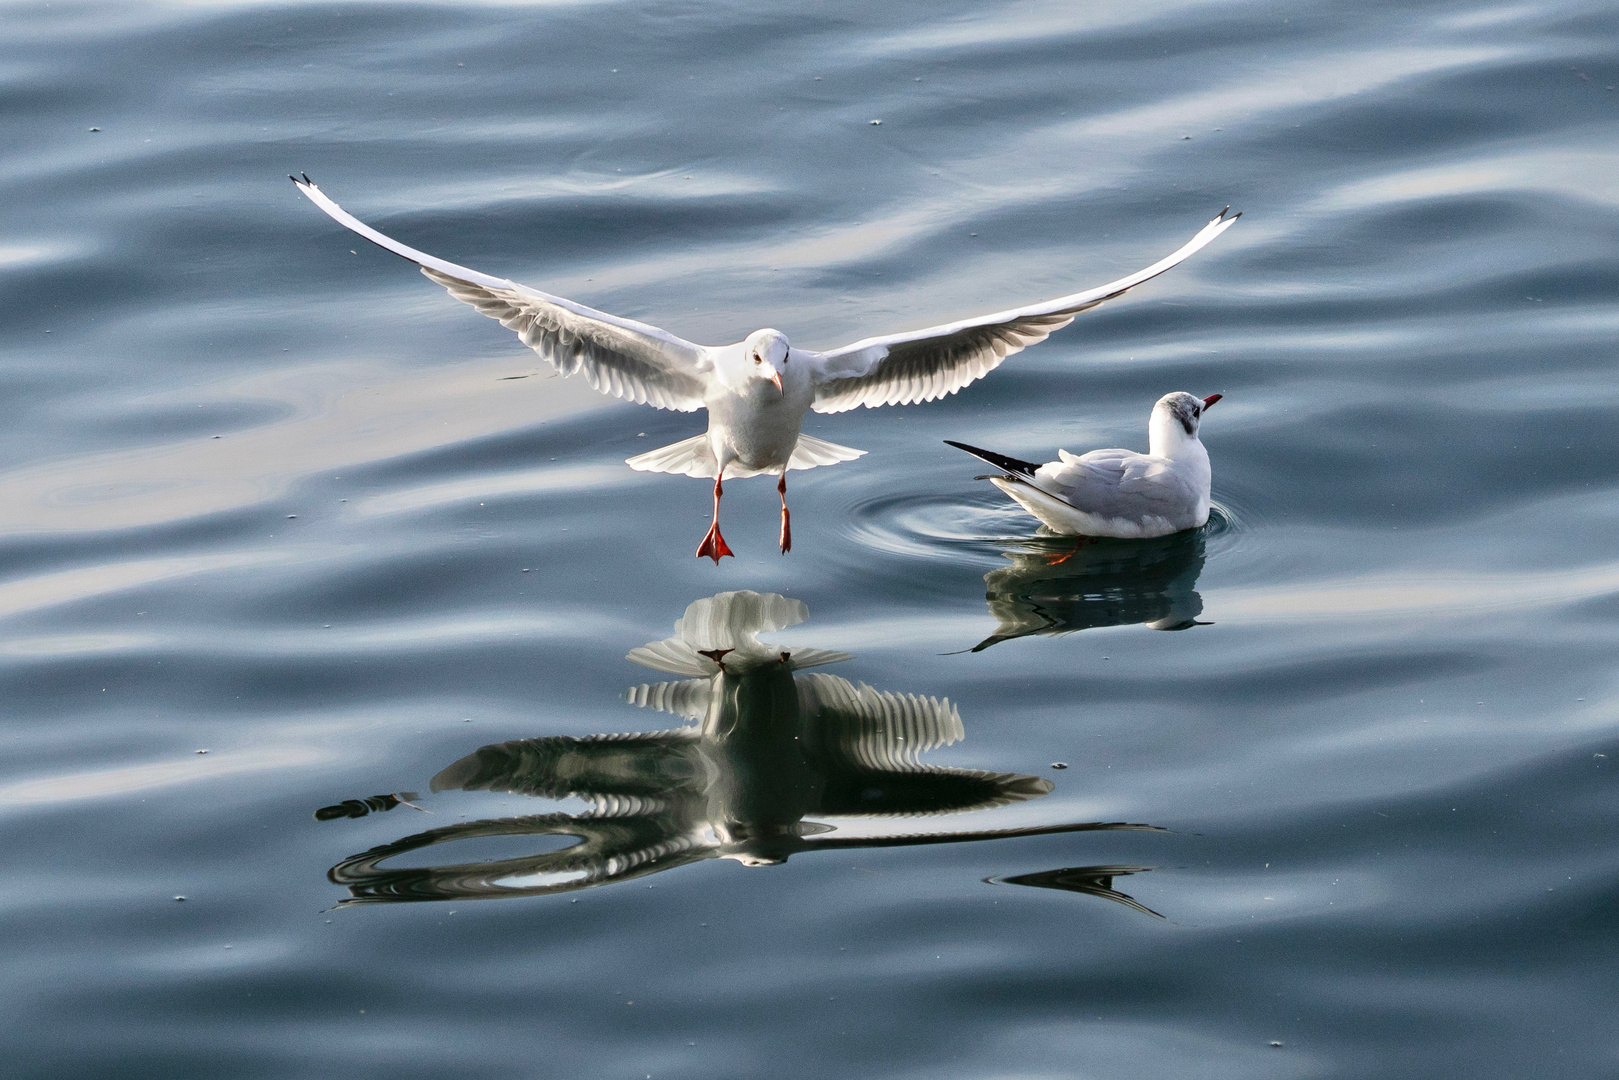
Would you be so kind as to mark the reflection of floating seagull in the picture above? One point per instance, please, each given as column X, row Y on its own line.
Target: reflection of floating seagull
column 758, row 390
column 768, row 749
column 1119, row 492
column 1104, row 583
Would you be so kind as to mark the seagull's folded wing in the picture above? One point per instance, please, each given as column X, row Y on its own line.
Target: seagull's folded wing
column 926, row 364
column 1121, row 485
column 621, row 357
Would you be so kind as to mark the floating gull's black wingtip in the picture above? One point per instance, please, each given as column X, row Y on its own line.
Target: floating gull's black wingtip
column 308, row 181
column 293, row 178
column 1000, row 461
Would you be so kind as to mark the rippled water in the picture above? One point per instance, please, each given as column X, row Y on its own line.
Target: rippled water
column 318, row 589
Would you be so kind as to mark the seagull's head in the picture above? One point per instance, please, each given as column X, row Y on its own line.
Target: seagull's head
column 765, row 355
column 1179, row 415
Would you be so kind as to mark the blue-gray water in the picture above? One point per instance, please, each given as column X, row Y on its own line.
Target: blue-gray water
column 268, row 493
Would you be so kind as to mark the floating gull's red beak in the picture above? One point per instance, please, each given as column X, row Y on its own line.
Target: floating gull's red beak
column 776, row 378
column 1211, row 399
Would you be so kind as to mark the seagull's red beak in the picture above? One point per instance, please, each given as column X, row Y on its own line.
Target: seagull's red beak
column 1211, row 399
column 775, row 377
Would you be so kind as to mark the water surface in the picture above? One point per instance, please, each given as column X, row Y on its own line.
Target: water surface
column 266, row 493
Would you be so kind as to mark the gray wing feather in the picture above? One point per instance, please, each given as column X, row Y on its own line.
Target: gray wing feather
column 615, row 361
column 617, row 356
column 1119, row 484
column 922, row 365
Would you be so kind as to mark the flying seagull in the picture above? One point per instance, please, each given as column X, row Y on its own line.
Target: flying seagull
column 757, row 390
column 1119, row 493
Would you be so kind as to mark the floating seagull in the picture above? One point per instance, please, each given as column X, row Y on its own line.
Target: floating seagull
column 757, row 390
column 1119, row 493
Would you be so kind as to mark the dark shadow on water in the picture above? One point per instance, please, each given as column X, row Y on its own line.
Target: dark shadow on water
column 768, row 746
column 1060, row 584
column 1089, row 880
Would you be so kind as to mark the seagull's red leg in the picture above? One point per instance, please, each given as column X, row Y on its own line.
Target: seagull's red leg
column 786, row 518
column 714, row 545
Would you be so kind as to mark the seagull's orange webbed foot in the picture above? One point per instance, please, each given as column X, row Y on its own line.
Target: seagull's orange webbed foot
column 714, row 545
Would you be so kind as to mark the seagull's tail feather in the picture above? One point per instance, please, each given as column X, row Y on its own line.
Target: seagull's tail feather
column 691, row 457
column 811, row 452
column 695, row 457
column 1000, row 461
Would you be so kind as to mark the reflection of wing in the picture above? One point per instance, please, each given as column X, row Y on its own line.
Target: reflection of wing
column 922, row 365
column 647, row 767
column 688, row 698
column 866, row 743
column 621, row 357
column 875, row 728
column 916, row 839
column 609, row 849
column 1090, row 880
column 1062, row 588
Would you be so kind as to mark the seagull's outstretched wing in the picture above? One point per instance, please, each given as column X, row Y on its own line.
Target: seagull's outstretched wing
column 925, row 364
column 621, row 357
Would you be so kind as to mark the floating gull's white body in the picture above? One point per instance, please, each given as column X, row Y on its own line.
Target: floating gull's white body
column 756, row 391
column 1119, row 493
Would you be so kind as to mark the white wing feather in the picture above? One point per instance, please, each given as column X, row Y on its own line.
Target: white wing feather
column 621, row 357
column 922, row 365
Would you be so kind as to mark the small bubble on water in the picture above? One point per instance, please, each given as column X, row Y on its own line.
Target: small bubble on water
column 202, row 751
column 179, row 898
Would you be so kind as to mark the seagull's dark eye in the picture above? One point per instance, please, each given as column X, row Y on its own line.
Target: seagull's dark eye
column 757, row 359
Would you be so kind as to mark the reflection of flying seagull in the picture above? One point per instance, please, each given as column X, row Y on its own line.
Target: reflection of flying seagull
column 756, row 391
column 1104, row 583
column 769, row 749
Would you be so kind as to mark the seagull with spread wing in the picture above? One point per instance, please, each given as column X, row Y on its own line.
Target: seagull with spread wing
column 757, row 390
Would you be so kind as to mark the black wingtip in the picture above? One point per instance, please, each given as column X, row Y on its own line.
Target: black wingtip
column 308, row 181
column 293, row 178
column 1001, row 461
